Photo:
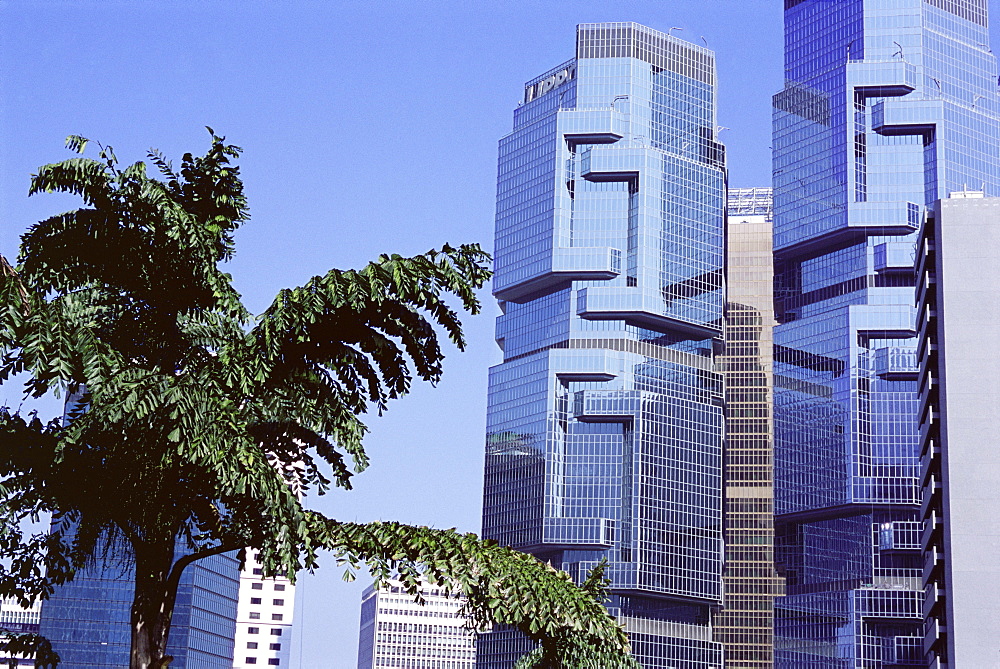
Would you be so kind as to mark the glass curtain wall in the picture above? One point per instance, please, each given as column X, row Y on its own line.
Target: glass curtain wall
column 605, row 419
column 87, row 619
column 888, row 105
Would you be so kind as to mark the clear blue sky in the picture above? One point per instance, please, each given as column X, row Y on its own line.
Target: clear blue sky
column 368, row 127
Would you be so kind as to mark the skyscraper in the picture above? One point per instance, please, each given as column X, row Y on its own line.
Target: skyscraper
column 959, row 274
column 605, row 426
column 87, row 619
column 888, row 106
column 396, row 631
column 745, row 623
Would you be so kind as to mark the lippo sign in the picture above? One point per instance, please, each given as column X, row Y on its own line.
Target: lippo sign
column 547, row 84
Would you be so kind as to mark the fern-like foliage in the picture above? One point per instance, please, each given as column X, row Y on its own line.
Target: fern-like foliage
column 192, row 423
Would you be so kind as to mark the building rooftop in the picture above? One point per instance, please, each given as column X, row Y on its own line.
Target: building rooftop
column 750, row 202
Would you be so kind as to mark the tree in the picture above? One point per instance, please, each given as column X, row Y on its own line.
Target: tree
column 193, row 424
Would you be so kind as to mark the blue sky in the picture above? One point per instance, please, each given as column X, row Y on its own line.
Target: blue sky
column 368, row 127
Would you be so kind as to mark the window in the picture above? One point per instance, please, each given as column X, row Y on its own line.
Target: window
column 274, row 661
column 279, row 602
column 251, row 660
column 275, row 646
column 276, row 631
column 257, row 571
column 277, row 616
column 252, row 645
column 253, row 630
column 255, row 600
column 254, row 616
column 256, row 586
column 279, row 586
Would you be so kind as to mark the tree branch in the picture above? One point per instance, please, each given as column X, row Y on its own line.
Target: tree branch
column 174, row 578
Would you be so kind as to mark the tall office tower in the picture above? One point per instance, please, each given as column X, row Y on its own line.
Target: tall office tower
column 745, row 624
column 605, row 424
column 959, row 278
column 87, row 619
column 396, row 631
column 264, row 619
column 19, row 620
column 888, row 106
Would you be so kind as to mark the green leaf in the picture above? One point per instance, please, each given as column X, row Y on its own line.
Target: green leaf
column 195, row 424
column 76, row 143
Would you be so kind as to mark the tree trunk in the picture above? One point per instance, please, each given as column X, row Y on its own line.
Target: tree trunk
column 152, row 605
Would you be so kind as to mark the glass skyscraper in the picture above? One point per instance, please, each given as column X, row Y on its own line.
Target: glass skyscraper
column 87, row 619
column 888, row 106
column 605, row 419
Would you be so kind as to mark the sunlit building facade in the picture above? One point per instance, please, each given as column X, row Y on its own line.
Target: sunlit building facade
column 398, row 631
column 264, row 617
column 745, row 624
column 888, row 106
column 605, row 419
column 958, row 270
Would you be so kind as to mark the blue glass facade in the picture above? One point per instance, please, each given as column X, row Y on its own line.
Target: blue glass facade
column 605, row 420
column 888, row 106
column 87, row 619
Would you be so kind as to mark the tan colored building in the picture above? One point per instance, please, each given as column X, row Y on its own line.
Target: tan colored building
column 745, row 624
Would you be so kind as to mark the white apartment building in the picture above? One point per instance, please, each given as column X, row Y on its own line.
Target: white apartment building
column 398, row 632
column 263, row 619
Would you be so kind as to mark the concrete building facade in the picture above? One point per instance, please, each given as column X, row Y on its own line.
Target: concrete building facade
column 958, row 312
column 264, row 617
column 397, row 631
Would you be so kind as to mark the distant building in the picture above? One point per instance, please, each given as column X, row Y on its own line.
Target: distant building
column 958, row 264
column 87, row 619
column 398, row 632
column 263, row 619
column 15, row 618
column 745, row 623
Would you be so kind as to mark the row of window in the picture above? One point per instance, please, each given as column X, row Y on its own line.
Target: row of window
column 405, row 612
column 275, row 631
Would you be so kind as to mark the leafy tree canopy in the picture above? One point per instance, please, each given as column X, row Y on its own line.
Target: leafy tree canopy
column 194, row 424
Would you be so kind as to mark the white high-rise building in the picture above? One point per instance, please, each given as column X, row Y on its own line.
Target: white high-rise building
column 16, row 618
column 396, row 631
column 263, row 619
